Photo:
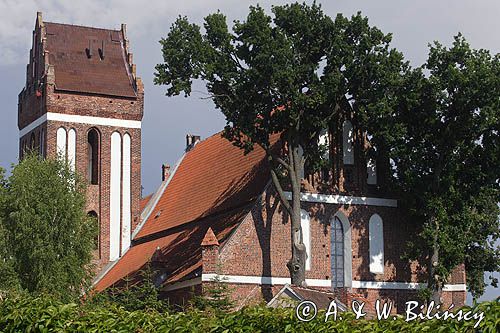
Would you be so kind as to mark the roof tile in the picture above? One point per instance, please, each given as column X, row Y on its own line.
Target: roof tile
column 76, row 72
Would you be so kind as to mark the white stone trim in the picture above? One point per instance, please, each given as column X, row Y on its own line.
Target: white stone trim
column 72, row 118
column 455, row 287
column 305, row 225
column 182, row 284
column 72, row 149
column 344, row 199
column 61, row 142
column 126, row 193
column 115, row 212
column 32, row 125
column 270, row 280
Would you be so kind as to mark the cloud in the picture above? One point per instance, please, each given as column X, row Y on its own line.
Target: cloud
column 17, row 18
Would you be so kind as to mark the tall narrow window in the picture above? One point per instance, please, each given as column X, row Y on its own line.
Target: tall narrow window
column 324, row 142
column 61, row 142
column 42, row 143
column 376, row 240
column 93, row 215
column 371, row 169
column 337, row 253
column 72, row 149
column 305, row 221
column 32, row 142
column 93, row 156
column 348, row 142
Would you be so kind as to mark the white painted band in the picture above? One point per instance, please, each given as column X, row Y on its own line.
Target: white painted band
column 72, row 118
column 344, row 199
column 269, row 280
column 182, row 284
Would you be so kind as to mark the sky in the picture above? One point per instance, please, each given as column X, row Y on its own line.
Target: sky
column 167, row 120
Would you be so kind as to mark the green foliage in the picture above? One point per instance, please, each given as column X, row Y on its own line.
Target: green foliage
column 141, row 295
column 8, row 277
column 44, row 315
column 442, row 134
column 291, row 74
column 300, row 62
column 216, row 297
column 47, row 232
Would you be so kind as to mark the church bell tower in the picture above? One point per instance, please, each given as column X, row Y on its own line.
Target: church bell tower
column 83, row 101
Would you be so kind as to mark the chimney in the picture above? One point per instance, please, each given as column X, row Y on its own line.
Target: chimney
column 165, row 172
column 191, row 141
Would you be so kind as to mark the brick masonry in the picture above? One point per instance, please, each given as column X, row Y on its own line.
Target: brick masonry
column 40, row 95
column 260, row 247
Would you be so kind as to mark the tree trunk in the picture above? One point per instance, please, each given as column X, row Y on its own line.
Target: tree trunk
column 434, row 283
column 295, row 164
column 297, row 264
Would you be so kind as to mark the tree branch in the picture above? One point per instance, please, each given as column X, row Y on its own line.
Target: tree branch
column 281, row 193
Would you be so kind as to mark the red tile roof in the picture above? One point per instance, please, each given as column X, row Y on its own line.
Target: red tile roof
column 74, row 71
column 144, row 201
column 214, row 187
column 213, row 177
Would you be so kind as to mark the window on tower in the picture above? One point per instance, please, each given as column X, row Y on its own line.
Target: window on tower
column 95, row 220
column 32, row 141
column 93, row 156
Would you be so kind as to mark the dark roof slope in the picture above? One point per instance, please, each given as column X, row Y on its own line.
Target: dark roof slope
column 76, row 72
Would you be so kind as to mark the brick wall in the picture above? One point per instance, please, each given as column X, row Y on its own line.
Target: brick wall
column 49, row 99
column 260, row 246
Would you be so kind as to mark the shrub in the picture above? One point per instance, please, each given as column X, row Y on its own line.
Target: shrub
column 29, row 314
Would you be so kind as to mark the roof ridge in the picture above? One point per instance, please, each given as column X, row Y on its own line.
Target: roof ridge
column 82, row 26
column 314, row 289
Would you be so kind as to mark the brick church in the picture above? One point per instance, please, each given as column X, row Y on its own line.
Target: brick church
column 215, row 212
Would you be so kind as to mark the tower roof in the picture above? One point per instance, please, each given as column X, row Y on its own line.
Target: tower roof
column 89, row 60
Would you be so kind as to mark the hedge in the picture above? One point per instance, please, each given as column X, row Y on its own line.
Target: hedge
column 28, row 314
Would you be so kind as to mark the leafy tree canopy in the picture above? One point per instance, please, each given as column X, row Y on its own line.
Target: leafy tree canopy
column 293, row 74
column 47, row 231
column 442, row 138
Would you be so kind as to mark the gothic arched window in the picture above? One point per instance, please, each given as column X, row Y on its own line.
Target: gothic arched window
column 337, row 253
column 32, row 142
column 95, row 219
column 376, row 240
column 93, row 156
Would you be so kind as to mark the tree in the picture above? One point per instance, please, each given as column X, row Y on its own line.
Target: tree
column 442, row 137
column 132, row 295
column 8, row 277
column 289, row 75
column 48, row 231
